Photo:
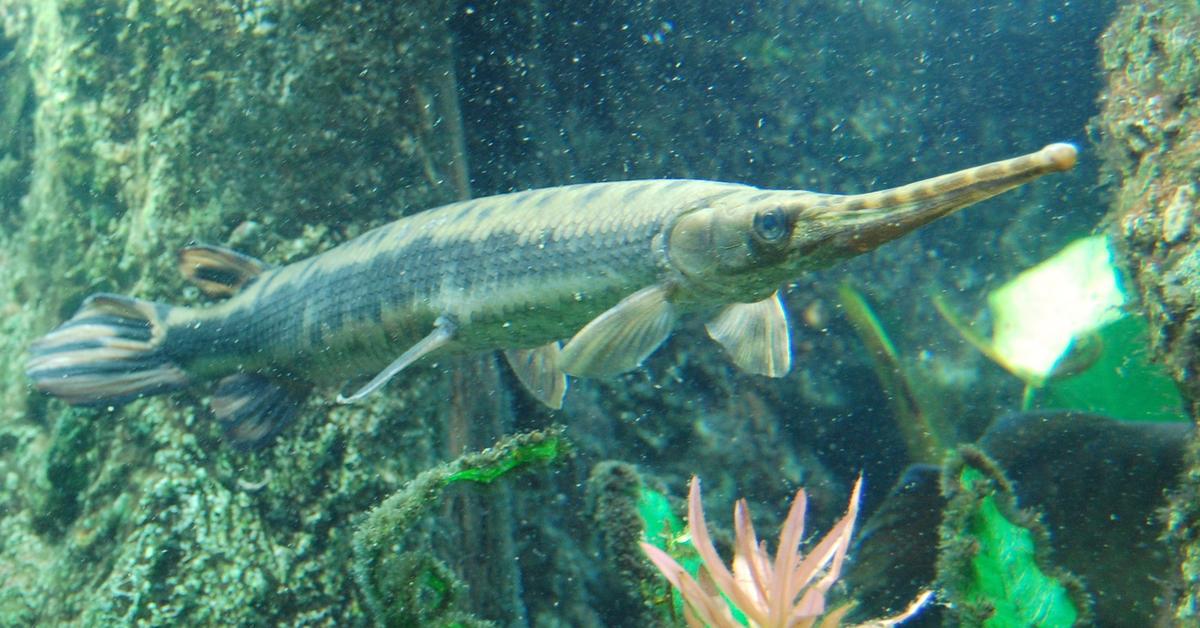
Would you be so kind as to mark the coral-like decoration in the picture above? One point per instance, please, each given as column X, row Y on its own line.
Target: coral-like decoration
column 787, row 591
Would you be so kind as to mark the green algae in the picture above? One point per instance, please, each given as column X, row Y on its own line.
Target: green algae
column 412, row 587
column 509, row 456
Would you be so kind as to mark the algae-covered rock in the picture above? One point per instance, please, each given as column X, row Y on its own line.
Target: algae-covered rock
column 1150, row 130
column 1102, row 485
column 1099, row 483
column 626, row 511
column 131, row 129
column 400, row 582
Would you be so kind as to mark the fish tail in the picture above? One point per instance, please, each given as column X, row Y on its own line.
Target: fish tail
column 110, row 352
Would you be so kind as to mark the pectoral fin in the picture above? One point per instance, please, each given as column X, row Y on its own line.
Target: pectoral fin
column 218, row 271
column 755, row 335
column 619, row 339
column 538, row 370
column 443, row 332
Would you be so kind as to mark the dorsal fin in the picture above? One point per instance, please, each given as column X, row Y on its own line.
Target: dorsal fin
column 218, row 271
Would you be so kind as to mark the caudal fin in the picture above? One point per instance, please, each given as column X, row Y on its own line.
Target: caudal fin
column 110, row 352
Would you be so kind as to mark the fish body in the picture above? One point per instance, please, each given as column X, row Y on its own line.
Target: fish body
column 609, row 266
column 512, row 271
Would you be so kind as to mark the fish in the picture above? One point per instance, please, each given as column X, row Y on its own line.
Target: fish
column 583, row 280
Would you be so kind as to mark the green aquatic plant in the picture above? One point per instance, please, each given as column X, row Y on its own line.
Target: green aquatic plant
column 923, row 432
column 662, row 529
column 413, row 587
column 1062, row 328
column 758, row 591
column 993, row 560
column 1123, row 380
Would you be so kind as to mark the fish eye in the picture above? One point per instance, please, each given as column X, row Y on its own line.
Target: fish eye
column 771, row 225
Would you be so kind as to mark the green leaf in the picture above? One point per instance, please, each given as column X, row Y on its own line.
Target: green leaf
column 992, row 561
column 1122, row 383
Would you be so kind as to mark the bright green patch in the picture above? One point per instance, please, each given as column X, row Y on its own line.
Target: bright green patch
column 661, row 526
column 665, row 531
column 513, row 457
column 1006, row 574
column 662, row 529
column 1122, row 383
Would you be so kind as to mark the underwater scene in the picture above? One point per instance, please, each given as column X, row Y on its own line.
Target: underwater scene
column 633, row 313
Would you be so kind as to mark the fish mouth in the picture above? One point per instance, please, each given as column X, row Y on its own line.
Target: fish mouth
column 839, row 227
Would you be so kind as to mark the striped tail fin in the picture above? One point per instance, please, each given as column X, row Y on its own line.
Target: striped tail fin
column 110, row 352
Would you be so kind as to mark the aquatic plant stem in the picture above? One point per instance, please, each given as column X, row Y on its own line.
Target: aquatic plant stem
column 388, row 522
column 923, row 441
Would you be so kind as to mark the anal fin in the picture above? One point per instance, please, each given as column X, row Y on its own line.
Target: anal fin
column 538, row 370
column 755, row 335
column 619, row 339
column 254, row 408
column 218, row 271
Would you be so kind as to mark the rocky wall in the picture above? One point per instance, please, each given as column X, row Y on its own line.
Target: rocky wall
column 1149, row 131
column 135, row 128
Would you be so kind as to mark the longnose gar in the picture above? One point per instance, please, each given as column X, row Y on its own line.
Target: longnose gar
column 609, row 266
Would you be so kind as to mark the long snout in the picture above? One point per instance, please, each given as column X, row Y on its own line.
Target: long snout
column 849, row 225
